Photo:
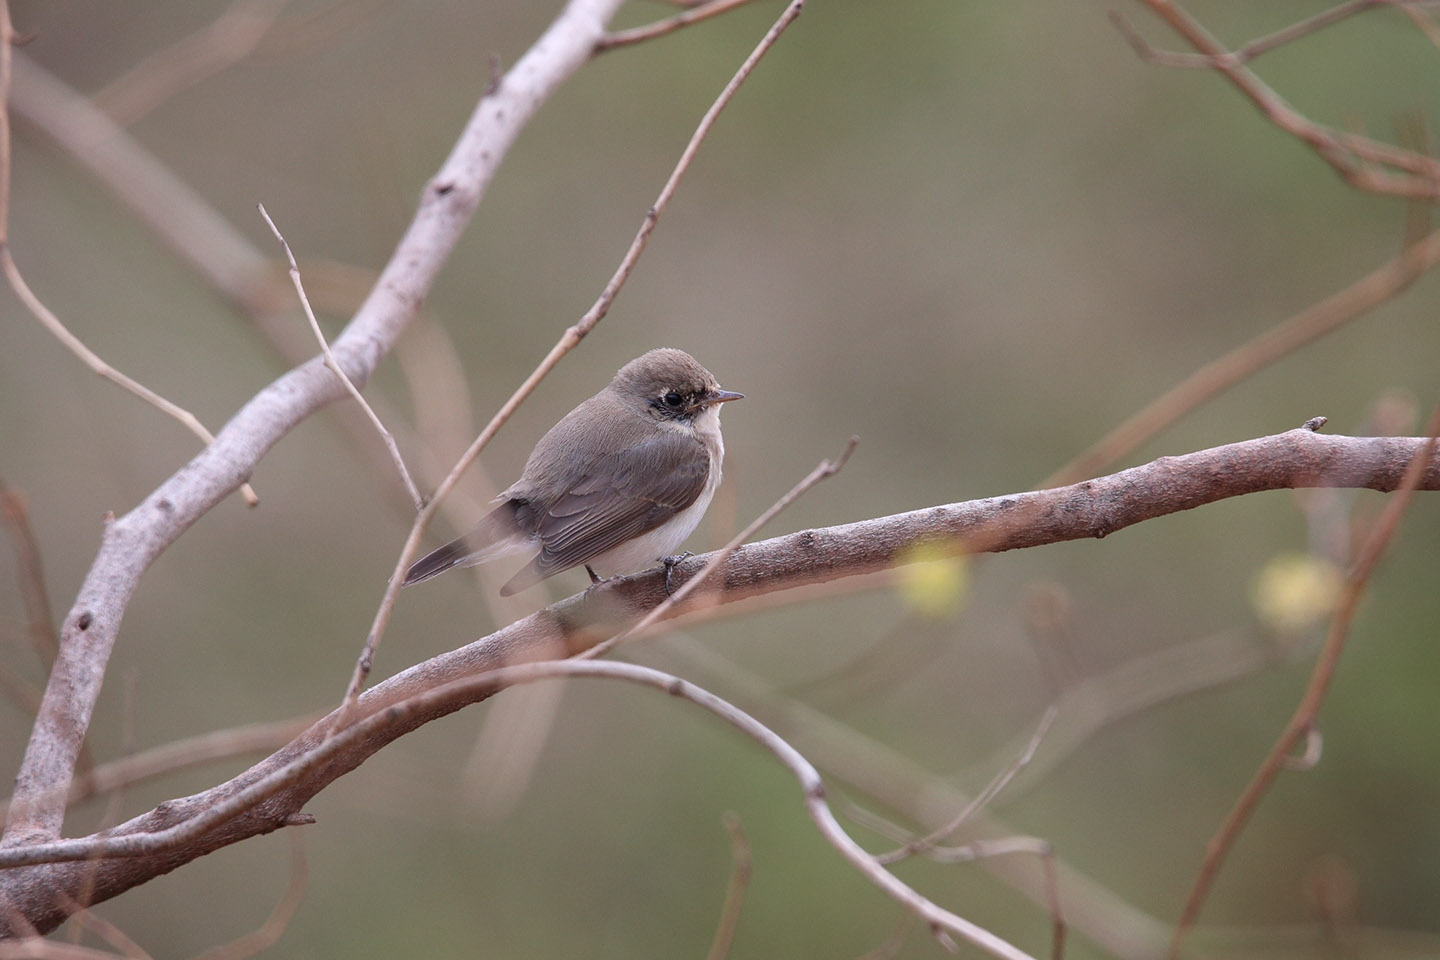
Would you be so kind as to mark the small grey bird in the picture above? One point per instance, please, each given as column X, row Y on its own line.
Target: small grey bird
column 617, row 484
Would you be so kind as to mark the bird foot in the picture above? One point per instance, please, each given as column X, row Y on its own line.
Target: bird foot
column 670, row 564
column 595, row 578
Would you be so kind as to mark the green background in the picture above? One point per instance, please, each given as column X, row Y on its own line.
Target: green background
column 977, row 235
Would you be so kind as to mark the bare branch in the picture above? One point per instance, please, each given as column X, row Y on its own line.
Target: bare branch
column 694, row 14
column 924, row 845
column 334, row 365
column 875, row 768
column 15, row 513
column 227, row 40
column 1302, row 722
column 734, row 891
column 180, row 755
column 567, row 342
column 1255, row 48
column 1424, row 22
column 1276, row 343
column 82, row 918
column 182, row 220
column 33, row 303
column 132, row 542
column 92, row 360
column 1363, row 162
column 272, row 793
column 270, row 932
column 38, row 949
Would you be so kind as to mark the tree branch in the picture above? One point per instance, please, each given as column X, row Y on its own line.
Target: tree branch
column 277, row 788
column 132, row 542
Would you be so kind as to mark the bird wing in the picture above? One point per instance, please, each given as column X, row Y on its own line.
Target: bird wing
column 616, row 497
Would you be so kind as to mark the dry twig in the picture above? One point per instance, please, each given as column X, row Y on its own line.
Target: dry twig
column 334, row 365
column 1276, row 343
column 1363, row 162
column 132, row 542
column 227, row 40
column 693, row 14
column 924, row 845
column 272, row 793
column 1249, row 51
column 1302, row 722
column 270, row 932
column 33, row 303
column 567, row 342
column 15, row 513
column 741, row 864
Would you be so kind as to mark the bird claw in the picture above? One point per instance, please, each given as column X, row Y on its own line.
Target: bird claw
column 670, row 564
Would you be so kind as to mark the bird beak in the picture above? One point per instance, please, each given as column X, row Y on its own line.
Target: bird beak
column 723, row 396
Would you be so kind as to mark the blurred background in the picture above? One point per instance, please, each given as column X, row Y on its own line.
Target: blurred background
column 978, row 236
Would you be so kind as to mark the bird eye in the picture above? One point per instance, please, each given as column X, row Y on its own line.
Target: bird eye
column 673, row 399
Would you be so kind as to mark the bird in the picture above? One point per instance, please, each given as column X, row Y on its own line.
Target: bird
column 616, row 485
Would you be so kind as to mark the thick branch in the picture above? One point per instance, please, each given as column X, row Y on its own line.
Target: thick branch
column 132, row 542
column 1094, row 508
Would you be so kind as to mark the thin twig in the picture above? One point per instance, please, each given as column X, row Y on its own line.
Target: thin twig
column 1307, row 326
column 741, row 865
column 30, row 571
column 37, row 949
column 694, row 14
column 1254, row 48
column 83, row 918
column 812, row 785
column 1424, row 22
column 334, row 365
column 1304, row 717
column 567, row 342
column 225, row 41
column 923, row 845
column 92, row 360
column 180, row 755
column 1363, row 162
column 894, row 943
column 1009, row 846
column 825, row 468
column 270, row 932
column 132, row 542
column 1298, row 458
column 876, row 768
column 33, row 303
column 421, row 704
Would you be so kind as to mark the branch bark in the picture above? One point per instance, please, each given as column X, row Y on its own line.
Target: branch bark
column 277, row 788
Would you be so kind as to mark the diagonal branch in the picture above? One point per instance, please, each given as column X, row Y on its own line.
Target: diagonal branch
column 1302, row 723
column 132, row 542
column 568, row 341
column 1315, row 321
column 1362, row 161
column 36, row 306
column 385, row 435
column 694, row 14
column 273, row 793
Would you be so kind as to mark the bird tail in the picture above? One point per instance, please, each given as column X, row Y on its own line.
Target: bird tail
column 494, row 536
